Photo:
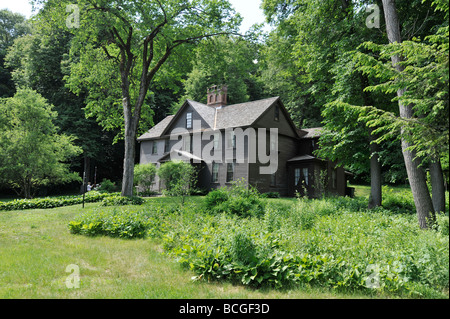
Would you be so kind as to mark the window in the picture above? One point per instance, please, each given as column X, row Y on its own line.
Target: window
column 189, row 120
column 297, row 176
column 155, row 148
column 217, row 141
column 305, row 176
column 167, row 146
column 334, row 178
column 230, row 172
column 188, row 143
column 277, row 113
column 231, row 140
column 273, row 179
column 215, row 172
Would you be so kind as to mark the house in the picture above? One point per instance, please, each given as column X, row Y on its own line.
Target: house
column 256, row 140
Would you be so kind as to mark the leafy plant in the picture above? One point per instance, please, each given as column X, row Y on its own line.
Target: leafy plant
column 107, row 186
column 144, row 176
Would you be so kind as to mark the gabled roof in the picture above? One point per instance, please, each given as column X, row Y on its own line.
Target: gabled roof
column 310, row 132
column 303, row 158
column 242, row 114
column 157, row 130
column 236, row 115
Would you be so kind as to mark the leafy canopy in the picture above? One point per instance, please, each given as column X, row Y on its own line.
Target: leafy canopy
column 32, row 153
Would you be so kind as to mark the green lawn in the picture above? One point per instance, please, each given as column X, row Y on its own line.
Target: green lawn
column 36, row 247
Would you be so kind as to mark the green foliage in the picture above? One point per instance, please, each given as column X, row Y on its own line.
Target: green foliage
column 115, row 223
column 144, row 175
column 271, row 195
column 178, row 177
column 118, row 200
column 239, row 199
column 216, row 197
column 225, row 60
column 52, row 202
column 332, row 242
column 107, row 186
column 424, row 79
column 398, row 201
column 32, row 153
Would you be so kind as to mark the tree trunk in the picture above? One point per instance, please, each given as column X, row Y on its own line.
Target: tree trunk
column 130, row 143
column 87, row 168
column 437, row 186
column 375, row 175
column 416, row 175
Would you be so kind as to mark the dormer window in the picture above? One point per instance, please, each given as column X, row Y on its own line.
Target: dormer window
column 189, row 120
column 277, row 113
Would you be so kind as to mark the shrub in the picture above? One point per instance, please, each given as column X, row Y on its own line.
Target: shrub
column 107, row 186
column 243, row 250
column 239, row 200
column 118, row 200
column 442, row 224
column 179, row 178
column 271, row 195
column 53, row 202
column 215, row 197
column 241, row 206
column 398, row 201
column 144, row 175
column 115, row 223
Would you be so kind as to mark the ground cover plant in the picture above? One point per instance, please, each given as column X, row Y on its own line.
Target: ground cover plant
column 52, row 202
column 331, row 243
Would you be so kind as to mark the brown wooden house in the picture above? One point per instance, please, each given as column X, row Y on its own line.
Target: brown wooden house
column 236, row 135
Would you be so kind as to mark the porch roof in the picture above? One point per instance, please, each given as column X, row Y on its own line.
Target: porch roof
column 303, row 158
column 187, row 155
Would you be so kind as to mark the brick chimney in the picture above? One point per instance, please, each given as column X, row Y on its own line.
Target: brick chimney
column 217, row 96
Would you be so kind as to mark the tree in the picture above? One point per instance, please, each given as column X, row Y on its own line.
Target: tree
column 225, row 60
column 419, row 75
column 144, row 176
column 132, row 41
column 12, row 26
column 322, row 35
column 32, row 154
column 179, row 178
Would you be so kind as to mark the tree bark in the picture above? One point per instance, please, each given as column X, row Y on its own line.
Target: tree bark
column 416, row 175
column 437, row 186
column 375, row 175
column 130, row 144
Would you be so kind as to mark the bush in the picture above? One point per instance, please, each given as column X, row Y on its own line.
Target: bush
column 118, row 200
column 401, row 202
column 241, row 206
column 215, row 197
column 107, row 186
column 242, row 249
column 271, row 195
column 144, row 175
column 52, row 202
column 121, row 224
column 238, row 200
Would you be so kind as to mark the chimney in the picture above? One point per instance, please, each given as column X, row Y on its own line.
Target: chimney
column 217, row 96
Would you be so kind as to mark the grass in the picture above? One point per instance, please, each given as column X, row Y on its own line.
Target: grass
column 36, row 247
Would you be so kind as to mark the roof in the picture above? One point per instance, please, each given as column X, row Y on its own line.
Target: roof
column 157, row 130
column 304, row 158
column 179, row 154
column 242, row 114
column 310, row 132
column 235, row 115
